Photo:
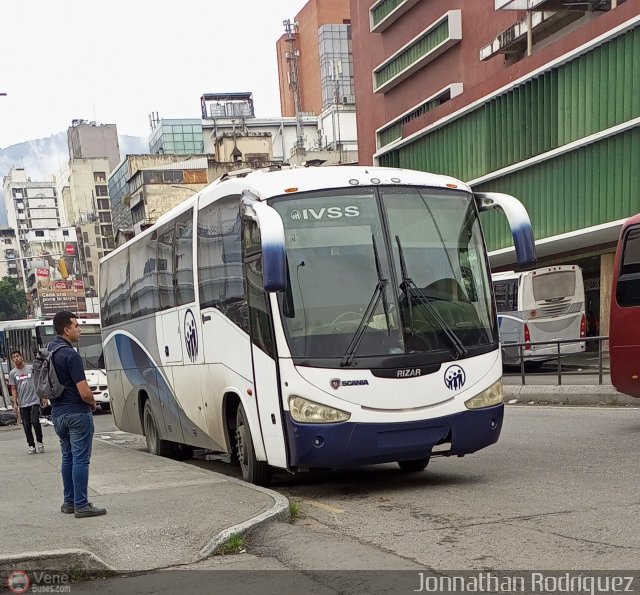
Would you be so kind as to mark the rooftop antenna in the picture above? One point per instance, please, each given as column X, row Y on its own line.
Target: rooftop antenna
column 292, row 58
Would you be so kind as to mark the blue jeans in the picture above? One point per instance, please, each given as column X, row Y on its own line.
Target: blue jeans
column 75, row 431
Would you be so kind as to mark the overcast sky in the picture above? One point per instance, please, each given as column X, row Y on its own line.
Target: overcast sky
column 117, row 61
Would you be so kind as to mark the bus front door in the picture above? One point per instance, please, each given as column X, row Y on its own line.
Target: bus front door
column 264, row 356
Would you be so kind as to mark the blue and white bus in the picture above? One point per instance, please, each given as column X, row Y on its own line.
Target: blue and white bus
column 311, row 318
column 29, row 335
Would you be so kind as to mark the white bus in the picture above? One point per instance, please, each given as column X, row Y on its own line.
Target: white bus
column 546, row 304
column 311, row 318
column 29, row 335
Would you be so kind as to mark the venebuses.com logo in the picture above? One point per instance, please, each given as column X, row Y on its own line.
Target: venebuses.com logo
column 39, row 581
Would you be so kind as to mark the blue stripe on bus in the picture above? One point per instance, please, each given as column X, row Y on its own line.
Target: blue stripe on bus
column 143, row 373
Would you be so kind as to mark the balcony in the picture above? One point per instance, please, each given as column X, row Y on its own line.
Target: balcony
column 546, row 17
column 574, row 5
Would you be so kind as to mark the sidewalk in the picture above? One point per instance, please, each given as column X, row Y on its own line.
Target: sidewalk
column 161, row 512
column 579, row 384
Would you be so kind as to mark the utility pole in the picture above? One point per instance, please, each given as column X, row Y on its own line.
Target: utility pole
column 292, row 58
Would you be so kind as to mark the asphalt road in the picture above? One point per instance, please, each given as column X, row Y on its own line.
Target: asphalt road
column 558, row 491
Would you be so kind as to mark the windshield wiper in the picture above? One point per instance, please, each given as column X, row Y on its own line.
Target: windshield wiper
column 409, row 287
column 378, row 293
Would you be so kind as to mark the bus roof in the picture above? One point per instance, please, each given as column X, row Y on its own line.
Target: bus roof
column 266, row 183
column 35, row 322
column 634, row 220
column 505, row 275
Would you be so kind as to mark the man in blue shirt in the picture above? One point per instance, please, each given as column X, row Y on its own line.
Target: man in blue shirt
column 72, row 414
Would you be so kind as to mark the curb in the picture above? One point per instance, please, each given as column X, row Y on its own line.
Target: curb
column 280, row 511
column 603, row 395
column 78, row 564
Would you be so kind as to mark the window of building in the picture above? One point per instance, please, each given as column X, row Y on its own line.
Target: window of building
column 7, row 241
column 85, row 237
column 92, row 281
column 102, row 190
column 105, row 217
column 99, row 176
column 87, row 251
column 152, row 177
column 39, row 233
column 173, row 177
column 89, row 266
column 422, row 49
column 103, row 204
column 65, row 232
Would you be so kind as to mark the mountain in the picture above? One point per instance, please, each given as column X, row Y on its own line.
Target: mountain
column 45, row 157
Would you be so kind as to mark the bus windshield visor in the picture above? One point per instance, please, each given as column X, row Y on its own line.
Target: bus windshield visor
column 404, row 268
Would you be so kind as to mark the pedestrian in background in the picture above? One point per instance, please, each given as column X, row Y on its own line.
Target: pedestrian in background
column 72, row 414
column 26, row 401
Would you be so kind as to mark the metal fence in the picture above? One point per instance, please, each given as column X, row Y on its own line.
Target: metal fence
column 519, row 347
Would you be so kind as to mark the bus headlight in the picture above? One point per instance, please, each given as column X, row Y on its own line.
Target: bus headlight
column 488, row 398
column 305, row 411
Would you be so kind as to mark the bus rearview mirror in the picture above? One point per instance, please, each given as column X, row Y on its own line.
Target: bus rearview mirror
column 519, row 222
column 274, row 259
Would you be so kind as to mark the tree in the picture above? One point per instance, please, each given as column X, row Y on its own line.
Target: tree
column 13, row 301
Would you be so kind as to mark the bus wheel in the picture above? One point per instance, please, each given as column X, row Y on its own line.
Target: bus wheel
column 413, row 466
column 253, row 471
column 155, row 445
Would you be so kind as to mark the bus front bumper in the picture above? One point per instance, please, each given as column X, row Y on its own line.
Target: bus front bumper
column 349, row 444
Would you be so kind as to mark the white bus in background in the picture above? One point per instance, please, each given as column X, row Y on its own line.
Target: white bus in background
column 311, row 318
column 546, row 304
column 29, row 335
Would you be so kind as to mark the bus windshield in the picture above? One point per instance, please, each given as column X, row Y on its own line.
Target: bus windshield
column 404, row 267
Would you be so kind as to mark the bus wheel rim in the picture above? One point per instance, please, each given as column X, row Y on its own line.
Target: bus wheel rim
column 150, row 433
column 241, row 445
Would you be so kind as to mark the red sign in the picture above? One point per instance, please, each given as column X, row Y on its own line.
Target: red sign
column 42, row 272
column 70, row 249
column 61, row 285
column 78, row 284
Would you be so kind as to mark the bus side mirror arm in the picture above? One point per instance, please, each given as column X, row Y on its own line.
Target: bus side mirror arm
column 274, row 260
column 521, row 229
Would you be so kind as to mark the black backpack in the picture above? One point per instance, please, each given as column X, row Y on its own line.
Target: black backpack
column 44, row 375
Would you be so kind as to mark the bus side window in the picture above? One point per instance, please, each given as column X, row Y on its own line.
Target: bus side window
column 220, row 277
column 166, row 268
column 506, row 293
column 628, row 287
column 185, row 293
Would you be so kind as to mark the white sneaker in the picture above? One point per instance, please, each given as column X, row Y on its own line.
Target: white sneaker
column 32, row 450
column 40, row 447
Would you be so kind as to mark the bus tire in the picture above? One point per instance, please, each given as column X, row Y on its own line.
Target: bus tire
column 413, row 466
column 155, row 445
column 253, row 471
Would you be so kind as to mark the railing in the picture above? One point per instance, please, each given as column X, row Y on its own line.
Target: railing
column 558, row 357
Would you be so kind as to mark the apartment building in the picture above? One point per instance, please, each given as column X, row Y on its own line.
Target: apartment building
column 535, row 98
